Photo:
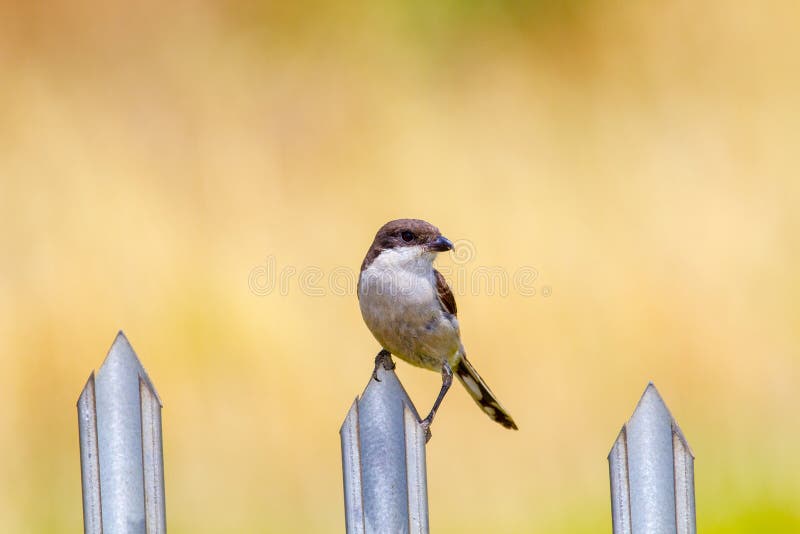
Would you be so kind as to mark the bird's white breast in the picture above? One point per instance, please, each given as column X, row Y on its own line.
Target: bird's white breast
column 405, row 273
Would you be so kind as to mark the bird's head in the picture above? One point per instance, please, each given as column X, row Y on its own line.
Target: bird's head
column 407, row 241
column 412, row 233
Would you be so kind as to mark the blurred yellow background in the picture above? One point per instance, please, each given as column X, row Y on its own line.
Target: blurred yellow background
column 641, row 156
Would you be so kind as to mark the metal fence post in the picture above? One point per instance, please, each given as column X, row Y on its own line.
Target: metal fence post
column 122, row 467
column 652, row 473
column 383, row 461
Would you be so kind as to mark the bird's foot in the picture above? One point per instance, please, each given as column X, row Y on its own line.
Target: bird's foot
column 447, row 381
column 426, row 425
column 383, row 358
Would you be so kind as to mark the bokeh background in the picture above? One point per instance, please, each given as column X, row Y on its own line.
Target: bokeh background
column 642, row 157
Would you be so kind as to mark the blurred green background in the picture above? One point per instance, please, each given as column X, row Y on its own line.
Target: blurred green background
column 641, row 156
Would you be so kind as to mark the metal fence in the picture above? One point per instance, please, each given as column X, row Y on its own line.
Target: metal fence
column 383, row 459
column 122, row 466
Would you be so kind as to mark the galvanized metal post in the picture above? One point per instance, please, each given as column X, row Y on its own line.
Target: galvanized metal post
column 652, row 473
column 383, row 461
column 122, row 466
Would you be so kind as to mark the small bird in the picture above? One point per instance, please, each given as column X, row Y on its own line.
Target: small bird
column 409, row 308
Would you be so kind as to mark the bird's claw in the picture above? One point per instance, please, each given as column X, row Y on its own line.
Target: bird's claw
column 426, row 425
column 383, row 358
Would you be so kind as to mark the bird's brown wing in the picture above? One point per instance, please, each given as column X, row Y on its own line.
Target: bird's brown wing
column 445, row 295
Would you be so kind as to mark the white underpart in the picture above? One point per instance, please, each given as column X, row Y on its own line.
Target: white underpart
column 407, row 271
column 400, row 304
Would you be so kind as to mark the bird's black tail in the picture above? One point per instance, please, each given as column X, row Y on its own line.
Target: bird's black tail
column 482, row 394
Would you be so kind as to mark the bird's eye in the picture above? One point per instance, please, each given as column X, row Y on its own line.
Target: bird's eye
column 407, row 236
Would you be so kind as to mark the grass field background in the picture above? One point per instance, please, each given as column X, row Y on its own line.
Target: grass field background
column 641, row 158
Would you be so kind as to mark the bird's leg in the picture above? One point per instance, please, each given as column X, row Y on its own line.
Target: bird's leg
column 383, row 358
column 447, row 381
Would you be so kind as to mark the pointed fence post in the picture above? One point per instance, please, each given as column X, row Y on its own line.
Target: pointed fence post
column 122, row 466
column 383, row 461
column 652, row 473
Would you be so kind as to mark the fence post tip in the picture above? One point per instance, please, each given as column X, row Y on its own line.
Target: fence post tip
column 383, row 460
column 122, row 465
column 652, row 472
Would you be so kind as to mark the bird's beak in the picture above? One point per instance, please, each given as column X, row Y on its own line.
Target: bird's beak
column 440, row 244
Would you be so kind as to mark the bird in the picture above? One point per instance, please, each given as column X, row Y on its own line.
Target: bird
column 409, row 308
